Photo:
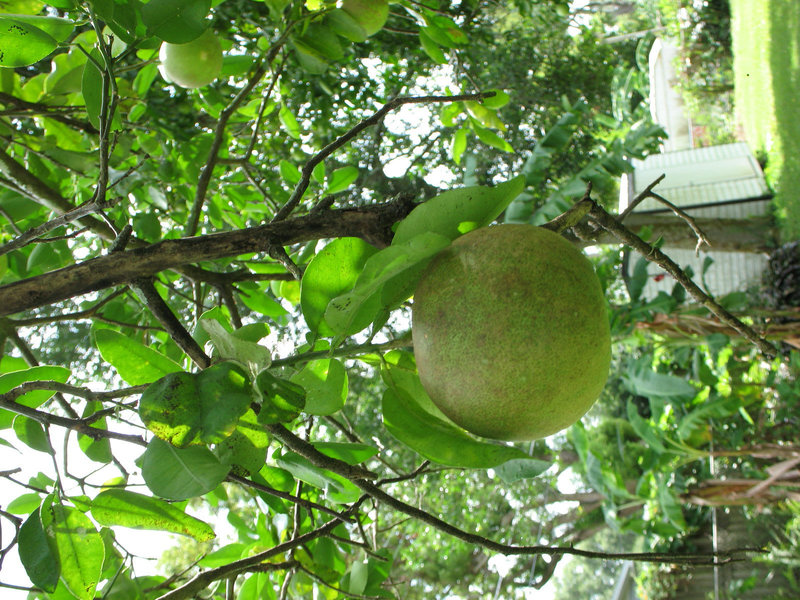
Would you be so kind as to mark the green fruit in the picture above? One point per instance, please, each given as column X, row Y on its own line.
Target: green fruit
column 370, row 14
column 192, row 65
column 511, row 333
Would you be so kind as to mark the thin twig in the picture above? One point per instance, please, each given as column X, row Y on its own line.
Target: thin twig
column 701, row 237
column 308, row 168
column 653, row 254
column 295, row 443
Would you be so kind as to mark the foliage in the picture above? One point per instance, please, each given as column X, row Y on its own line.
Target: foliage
column 205, row 304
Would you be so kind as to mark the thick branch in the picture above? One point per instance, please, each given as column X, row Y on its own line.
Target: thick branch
column 372, row 223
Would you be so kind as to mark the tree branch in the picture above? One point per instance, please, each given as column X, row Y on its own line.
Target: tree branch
column 372, row 223
column 653, row 254
column 295, row 443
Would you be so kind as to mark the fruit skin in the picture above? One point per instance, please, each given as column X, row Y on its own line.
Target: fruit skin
column 370, row 14
column 511, row 334
column 192, row 65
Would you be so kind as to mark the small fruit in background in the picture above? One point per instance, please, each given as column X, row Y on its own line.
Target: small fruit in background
column 511, row 333
column 194, row 64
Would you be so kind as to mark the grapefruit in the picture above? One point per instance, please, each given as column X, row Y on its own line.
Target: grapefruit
column 194, row 64
column 511, row 334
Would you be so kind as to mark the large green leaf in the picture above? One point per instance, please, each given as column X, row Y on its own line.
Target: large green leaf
column 176, row 21
column 388, row 278
column 340, row 179
column 190, row 408
column 455, row 212
column 642, row 380
column 332, row 272
column 180, row 474
column 56, row 27
column 32, row 434
column 40, row 562
column 246, row 447
column 325, row 383
column 136, row 363
column 8, row 381
column 282, row 400
column 78, row 545
column 410, row 416
column 22, row 43
column 122, row 508
column 437, row 440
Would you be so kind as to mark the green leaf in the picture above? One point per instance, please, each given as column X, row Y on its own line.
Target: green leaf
column 644, row 429
column 499, row 100
column 190, row 408
column 23, row 44
column 454, row 212
column 337, row 488
column 40, row 562
column 78, row 545
column 96, row 449
column 641, row 380
column 438, row 440
column 289, row 172
column 234, row 346
column 669, row 504
column 289, row 122
column 180, row 474
column 485, row 116
column 92, row 88
column 716, row 408
column 325, row 383
column 344, row 25
column 223, row 556
column 359, row 574
column 431, row 48
column 136, row 363
column 246, row 447
column 122, row 508
column 282, row 400
column 521, row 468
column 176, row 21
column 411, row 417
column 258, row 300
column 388, row 278
column 323, row 40
column 9, row 381
column 459, row 145
column 490, row 138
column 24, row 504
column 56, row 27
column 31, row 433
column 309, row 59
column 332, row 272
column 350, row 453
column 341, row 179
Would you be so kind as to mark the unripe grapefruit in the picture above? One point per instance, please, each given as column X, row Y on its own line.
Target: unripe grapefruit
column 192, row 65
column 511, row 334
column 370, row 14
